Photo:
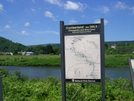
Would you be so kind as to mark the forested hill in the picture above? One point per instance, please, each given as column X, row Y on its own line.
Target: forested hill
column 44, row 45
column 9, row 46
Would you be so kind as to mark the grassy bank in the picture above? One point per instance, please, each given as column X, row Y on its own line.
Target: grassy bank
column 117, row 60
column 17, row 87
column 33, row 60
column 54, row 60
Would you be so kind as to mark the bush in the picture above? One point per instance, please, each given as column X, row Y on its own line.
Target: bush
column 17, row 87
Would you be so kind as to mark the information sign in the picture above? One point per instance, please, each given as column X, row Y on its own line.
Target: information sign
column 82, row 54
column 82, row 58
column 81, row 28
column 131, row 63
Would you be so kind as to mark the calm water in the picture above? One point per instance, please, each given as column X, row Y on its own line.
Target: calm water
column 42, row 72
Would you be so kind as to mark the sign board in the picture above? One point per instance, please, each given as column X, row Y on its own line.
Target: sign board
column 131, row 63
column 82, row 58
column 82, row 54
column 81, row 29
column 82, row 47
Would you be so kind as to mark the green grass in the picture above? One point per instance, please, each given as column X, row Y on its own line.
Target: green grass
column 33, row 60
column 117, row 60
column 55, row 60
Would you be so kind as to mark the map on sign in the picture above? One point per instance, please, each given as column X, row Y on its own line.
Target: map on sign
column 82, row 56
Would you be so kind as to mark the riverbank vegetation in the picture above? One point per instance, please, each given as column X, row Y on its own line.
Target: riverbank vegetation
column 117, row 60
column 32, row 60
column 17, row 87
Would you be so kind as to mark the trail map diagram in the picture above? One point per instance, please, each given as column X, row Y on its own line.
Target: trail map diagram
column 82, row 56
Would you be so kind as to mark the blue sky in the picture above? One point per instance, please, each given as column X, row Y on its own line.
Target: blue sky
column 33, row 22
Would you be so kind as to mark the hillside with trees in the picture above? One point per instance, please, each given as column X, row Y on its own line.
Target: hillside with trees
column 111, row 48
column 9, row 46
column 119, row 48
column 48, row 49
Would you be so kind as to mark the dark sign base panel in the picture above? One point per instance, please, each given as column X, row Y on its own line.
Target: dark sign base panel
column 83, row 80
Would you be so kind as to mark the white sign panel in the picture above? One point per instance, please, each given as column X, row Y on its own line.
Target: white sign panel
column 132, row 63
column 82, row 54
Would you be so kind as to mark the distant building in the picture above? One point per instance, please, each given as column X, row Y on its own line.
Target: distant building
column 113, row 46
column 27, row 53
column 8, row 53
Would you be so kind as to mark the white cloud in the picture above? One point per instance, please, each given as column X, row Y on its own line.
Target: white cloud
column 1, row 8
column 11, row 0
column 132, row 8
column 98, row 21
column 55, row 2
column 122, row 5
column 69, row 5
column 32, row 9
column 33, row 1
column 47, row 32
column 83, row 15
column 48, row 14
column 105, row 9
column 36, row 22
column 27, row 24
column 54, row 19
column 7, row 26
column 73, row 6
column 51, row 32
column 72, row 22
column 24, row 33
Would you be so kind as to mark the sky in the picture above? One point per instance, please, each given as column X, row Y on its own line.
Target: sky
column 34, row 22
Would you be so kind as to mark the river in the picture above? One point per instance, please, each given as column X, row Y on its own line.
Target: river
column 42, row 72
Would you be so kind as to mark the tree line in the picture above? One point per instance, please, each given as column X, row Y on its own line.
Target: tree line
column 120, row 48
column 9, row 46
column 39, row 49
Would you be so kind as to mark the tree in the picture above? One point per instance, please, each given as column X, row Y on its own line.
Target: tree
column 106, row 45
column 41, row 52
column 37, row 48
column 56, row 50
column 110, row 51
column 49, row 49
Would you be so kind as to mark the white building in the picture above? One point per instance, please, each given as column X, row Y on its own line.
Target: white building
column 27, row 53
column 113, row 46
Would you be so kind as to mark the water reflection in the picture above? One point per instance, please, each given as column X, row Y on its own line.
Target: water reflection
column 42, row 72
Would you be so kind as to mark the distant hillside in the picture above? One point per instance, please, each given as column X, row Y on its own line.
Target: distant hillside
column 108, row 42
column 116, row 42
column 9, row 46
column 53, row 45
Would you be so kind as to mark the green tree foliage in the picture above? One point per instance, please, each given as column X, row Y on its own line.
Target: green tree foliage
column 37, row 49
column 9, row 46
column 121, row 48
column 56, row 50
column 17, row 87
column 49, row 49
